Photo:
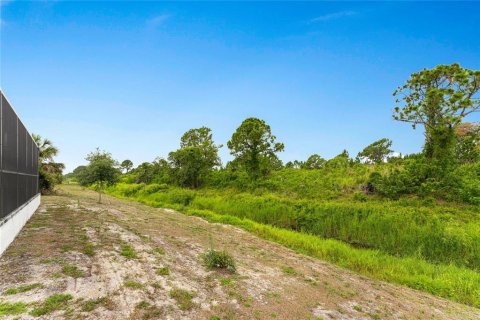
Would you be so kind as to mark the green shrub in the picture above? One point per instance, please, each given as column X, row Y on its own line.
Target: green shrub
column 219, row 260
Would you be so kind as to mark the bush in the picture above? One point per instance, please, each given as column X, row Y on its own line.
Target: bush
column 219, row 260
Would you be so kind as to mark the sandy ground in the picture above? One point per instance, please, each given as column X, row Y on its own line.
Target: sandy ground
column 125, row 260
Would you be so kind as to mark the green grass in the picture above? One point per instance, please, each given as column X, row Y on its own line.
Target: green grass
column 92, row 304
column 128, row 251
column 433, row 248
column 8, row 309
column 163, row 271
column 23, row 288
column 51, row 304
column 72, row 271
column 183, row 298
column 131, row 284
column 289, row 270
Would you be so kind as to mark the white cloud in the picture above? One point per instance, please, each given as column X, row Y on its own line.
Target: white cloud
column 158, row 20
column 333, row 16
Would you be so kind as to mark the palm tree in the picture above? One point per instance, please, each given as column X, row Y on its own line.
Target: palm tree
column 50, row 171
column 46, row 149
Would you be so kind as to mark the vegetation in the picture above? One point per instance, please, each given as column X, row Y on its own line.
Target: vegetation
column 54, row 302
column 219, row 260
column 131, row 284
column 7, row 308
column 409, row 219
column 73, row 271
column 128, row 251
column 101, row 172
column 183, row 298
column 23, row 288
column 50, row 172
column 254, row 147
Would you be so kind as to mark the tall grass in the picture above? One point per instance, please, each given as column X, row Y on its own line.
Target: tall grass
column 437, row 234
column 434, row 249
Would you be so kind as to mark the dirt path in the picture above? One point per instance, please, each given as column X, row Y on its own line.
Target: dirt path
column 125, row 260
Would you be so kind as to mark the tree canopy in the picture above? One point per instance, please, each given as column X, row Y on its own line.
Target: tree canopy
column 439, row 99
column 102, row 171
column 197, row 156
column 254, row 147
column 377, row 152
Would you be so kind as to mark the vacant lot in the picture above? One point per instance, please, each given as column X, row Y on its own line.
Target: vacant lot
column 124, row 260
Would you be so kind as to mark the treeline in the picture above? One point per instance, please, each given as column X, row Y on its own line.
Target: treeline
column 448, row 166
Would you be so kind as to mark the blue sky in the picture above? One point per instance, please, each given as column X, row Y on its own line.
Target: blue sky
column 131, row 77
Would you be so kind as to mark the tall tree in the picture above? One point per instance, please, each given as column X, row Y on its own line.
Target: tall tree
column 438, row 99
column 102, row 171
column 377, row 152
column 202, row 138
column 195, row 159
column 126, row 165
column 254, row 147
column 314, row 162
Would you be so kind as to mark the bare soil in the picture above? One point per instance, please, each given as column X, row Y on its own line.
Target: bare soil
column 116, row 249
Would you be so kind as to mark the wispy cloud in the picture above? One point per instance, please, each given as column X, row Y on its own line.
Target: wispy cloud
column 157, row 21
column 333, row 16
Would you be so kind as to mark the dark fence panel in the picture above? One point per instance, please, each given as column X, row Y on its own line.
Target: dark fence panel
column 18, row 161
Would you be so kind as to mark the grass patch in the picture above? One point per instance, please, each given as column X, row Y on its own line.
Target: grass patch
column 158, row 251
column 92, row 304
column 72, row 271
column 128, row 251
column 131, row 284
column 51, row 304
column 23, row 288
column 163, row 271
column 183, row 298
column 219, row 260
column 88, row 248
column 289, row 270
column 8, row 309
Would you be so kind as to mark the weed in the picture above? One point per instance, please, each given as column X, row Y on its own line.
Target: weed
column 163, row 271
column 52, row 303
column 183, row 298
column 89, row 249
column 92, row 304
column 219, row 260
column 128, row 251
column 227, row 282
column 131, row 284
column 289, row 270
